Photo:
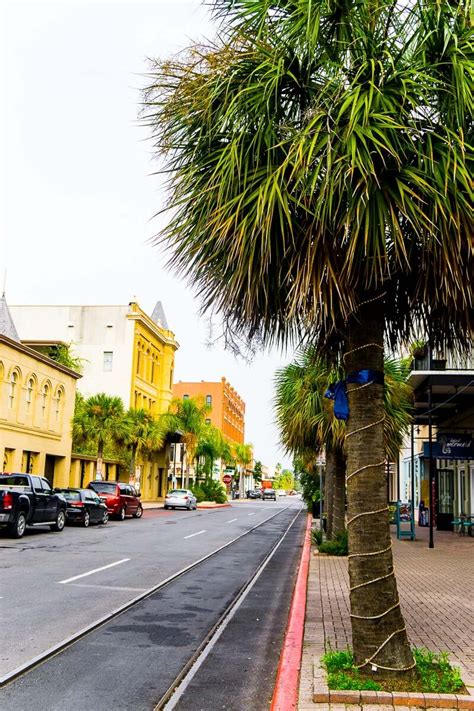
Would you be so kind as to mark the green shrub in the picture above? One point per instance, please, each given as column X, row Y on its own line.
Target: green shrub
column 436, row 673
column 344, row 682
column 433, row 673
column 317, row 536
column 210, row 490
column 338, row 545
column 334, row 661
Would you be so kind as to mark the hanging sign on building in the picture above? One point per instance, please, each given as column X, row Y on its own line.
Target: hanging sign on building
column 451, row 446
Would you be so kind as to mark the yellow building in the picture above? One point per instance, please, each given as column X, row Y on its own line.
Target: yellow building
column 125, row 352
column 36, row 406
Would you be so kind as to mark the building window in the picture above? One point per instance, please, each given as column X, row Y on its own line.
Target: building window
column 12, row 393
column 138, row 362
column 185, row 397
column 208, row 399
column 59, row 397
column 29, row 394
column 152, row 369
column 44, row 401
column 108, row 359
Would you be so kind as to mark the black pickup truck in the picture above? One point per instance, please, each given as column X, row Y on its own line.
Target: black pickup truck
column 28, row 500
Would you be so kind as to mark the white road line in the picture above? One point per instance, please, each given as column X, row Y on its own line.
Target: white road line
column 232, row 520
column 195, row 534
column 251, row 514
column 91, row 572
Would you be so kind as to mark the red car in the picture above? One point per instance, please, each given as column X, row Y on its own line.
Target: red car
column 121, row 499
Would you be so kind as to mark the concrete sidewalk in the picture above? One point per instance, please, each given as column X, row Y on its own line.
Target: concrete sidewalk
column 436, row 588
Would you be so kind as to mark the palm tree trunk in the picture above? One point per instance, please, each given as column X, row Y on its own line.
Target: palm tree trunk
column 100, row 457
column 339, row 493
column 329, row 491
column 379, row 636
column 132, row 462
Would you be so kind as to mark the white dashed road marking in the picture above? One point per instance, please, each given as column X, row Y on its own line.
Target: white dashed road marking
column 91, row 572
column 195, row 534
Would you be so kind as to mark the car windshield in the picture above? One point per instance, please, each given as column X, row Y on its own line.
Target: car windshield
column 103, row 488
column 177, row 492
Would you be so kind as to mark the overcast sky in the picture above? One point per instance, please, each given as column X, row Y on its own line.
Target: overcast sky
column 78, row 197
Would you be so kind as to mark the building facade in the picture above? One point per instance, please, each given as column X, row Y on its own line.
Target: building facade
column 437, row 462
column 124, row 352
column 36, row 407
column 227, row 407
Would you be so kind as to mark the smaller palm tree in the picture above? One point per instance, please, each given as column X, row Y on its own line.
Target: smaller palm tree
column 142, row 434
column 188, row 417
column 244, row 456
column 99, row 419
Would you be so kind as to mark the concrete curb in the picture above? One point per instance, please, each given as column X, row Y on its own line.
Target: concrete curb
column 285, row 694
column 323, row 695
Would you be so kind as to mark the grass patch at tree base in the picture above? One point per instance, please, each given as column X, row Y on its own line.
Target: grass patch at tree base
column 433, row 674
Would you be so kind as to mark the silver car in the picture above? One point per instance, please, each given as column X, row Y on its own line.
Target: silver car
column 180, row 498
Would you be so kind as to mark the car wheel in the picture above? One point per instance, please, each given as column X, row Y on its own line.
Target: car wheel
column 18, row 528
column 166, row 507
column 122, row 513
column 139, row 512
column 60, row 521
column 87, row 519
column 189, row 506
column 105, row 518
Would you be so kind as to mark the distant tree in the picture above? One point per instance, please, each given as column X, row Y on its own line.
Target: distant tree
column 258, row 471
column 285, row 480
column 99, row 419
column 188, row 417
column 63, row 354
column 243, row 455
column 142, row 433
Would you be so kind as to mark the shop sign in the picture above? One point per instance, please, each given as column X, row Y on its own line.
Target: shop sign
column 451, row 446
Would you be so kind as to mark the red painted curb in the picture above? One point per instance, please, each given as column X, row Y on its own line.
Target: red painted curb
column 215, row 506
column 285, row 693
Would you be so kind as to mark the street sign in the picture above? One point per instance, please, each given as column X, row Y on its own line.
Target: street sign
column 227, row 478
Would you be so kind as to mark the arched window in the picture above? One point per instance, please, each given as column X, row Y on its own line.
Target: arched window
column 44, row 401
column 13, row 389
column 30, row 386
column 59, row 403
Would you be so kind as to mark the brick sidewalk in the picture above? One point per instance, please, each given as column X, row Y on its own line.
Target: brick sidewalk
column 436, row 588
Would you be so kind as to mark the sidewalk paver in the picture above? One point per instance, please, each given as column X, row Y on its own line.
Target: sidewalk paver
column 436, row 594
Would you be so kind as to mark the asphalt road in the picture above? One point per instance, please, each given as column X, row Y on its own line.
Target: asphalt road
column 142, row 553
column 131, row 661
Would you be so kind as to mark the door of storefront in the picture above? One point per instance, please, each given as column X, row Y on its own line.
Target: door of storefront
column 445, row 500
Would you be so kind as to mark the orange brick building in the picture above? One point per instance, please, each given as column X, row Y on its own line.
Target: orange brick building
column 228, row 408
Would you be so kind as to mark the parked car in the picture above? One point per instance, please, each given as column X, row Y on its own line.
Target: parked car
column 281, row 492
column 180, row 498
column 28, row 500
column 84, row 506
column 269, row 494
column 254, row 494
column 121, row 499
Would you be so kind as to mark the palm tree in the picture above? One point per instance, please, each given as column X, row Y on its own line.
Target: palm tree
column 209, row 447
column 319, row 175
column 142, row 433
column 187, row 416
column 307, row 424
column 306, row 420
column 244, row 456
column 100, row 418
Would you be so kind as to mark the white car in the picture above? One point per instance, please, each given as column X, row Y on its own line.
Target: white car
column 281, row 492
column 182, row 498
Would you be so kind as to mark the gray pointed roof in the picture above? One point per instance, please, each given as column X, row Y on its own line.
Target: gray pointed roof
column 7, row 327
column 159, row 317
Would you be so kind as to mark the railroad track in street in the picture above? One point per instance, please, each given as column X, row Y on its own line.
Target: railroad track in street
column 172, row 656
